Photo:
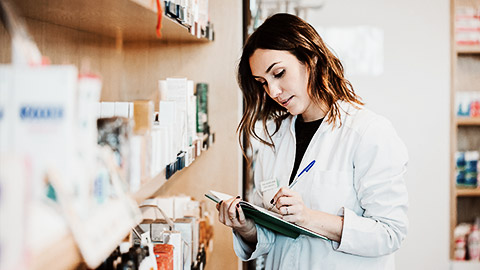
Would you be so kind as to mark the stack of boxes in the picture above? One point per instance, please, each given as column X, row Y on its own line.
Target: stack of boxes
column 48, row 119
column 468, row 104
column 467, row 168
column 193, row 14
column 181, row 223
column 467, row 26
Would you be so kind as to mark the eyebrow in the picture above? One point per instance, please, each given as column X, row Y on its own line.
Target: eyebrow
column 268, row 69
column 271, row 66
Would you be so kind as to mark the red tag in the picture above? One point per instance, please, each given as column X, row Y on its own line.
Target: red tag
column 159, row 21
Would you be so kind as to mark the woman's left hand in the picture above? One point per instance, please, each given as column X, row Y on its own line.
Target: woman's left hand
column 290, row 205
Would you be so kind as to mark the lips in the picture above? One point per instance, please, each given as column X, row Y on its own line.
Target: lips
column 285, row 102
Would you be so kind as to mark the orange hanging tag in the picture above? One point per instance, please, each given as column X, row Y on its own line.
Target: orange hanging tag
column 159, row 21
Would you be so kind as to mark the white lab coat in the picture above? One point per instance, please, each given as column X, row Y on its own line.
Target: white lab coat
column 358, row 174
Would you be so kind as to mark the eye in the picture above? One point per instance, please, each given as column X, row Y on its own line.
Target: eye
column 280, row 74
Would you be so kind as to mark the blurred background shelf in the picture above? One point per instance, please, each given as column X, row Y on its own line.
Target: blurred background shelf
column 468, row 49
column 153, row 184
column 468, row 121
column 61, row 255
column 468, row 192
column 150, row 187
column 127, row 20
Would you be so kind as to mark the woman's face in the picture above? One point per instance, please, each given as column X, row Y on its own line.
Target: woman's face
column 285, row 79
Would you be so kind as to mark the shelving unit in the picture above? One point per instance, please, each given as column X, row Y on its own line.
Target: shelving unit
column 128, row 20
column 468, row 192
column 63, row 254
column 465, row 131
column 49, row 257
column 464, row 49
column 468, row 121
column 118, row 37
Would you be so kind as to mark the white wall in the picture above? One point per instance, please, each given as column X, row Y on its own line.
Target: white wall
column 414, row 93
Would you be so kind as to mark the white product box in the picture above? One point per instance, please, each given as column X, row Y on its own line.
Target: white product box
column 6, row 112
column 108, row 109
column 177, row 91
column 174, row 238
column 130, row 109
column 191, row 114
column 159, row 150
column 154, row 153
column 89, row 90
column 180, row 205
column 14, row 201
column 167, row 119
column 122, row 109
column 99, row 110
column 44, row 122
column 185, row 227
column 164, row 147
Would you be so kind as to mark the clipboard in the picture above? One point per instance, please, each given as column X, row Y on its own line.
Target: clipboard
column 267, row 219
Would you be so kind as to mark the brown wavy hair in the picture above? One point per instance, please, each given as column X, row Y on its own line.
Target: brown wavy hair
column 326, row 82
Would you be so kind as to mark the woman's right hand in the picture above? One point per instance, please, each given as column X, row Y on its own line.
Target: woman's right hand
column 231, row 214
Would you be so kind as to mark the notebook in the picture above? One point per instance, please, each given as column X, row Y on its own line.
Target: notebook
column 266, row 218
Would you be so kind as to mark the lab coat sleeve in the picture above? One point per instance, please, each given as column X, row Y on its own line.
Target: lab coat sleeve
column 380, row 162
column 265, row 237
column 265, row 241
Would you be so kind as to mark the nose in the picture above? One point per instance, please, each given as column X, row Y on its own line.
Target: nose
column 273, row 90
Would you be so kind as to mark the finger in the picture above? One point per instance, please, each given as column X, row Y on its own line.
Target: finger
column 223, row 211
column 221, row 216
column 218, row 205
column 241, row 216
column 227, row 205
column 292, row 216
column 285, row 201
column 283, row 191
column 286, row 210
column 232, row 209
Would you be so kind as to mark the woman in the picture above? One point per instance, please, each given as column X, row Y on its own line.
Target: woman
column 354, row 194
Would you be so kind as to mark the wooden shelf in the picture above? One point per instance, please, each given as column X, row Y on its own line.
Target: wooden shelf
column 128, row 20
column 468, row 192
column 150, row 187
column 467, row 49
column 468, row 121
column 54, row 256
column 153, row 185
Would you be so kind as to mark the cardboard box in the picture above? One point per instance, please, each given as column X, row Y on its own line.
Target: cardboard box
column 143, row 116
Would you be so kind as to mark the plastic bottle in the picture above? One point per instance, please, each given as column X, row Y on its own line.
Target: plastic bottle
column 460, row 234
column 471, row 159
column 474, row 241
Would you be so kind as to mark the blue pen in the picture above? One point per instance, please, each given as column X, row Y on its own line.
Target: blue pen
column 309, row 166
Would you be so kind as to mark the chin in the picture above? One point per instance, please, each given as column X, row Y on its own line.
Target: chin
column 294, row 112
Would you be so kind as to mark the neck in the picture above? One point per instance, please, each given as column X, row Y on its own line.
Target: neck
column 314, row 112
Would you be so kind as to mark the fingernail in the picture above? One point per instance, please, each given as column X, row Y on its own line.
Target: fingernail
column 238, row 197
column 220, row 202
column 271, row 202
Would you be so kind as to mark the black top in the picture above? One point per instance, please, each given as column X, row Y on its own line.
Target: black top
column 304, row 132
